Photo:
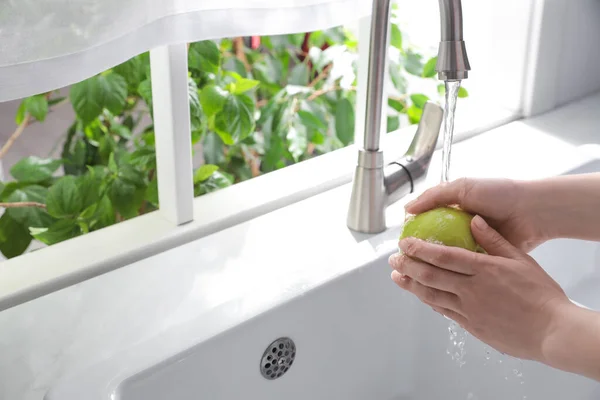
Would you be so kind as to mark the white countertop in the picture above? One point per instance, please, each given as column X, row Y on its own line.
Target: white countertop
column 263, row 262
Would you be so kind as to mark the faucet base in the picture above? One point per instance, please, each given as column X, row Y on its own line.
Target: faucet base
column 366, row 213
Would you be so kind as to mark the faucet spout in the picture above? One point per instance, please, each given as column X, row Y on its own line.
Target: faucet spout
column 375, row 186
column 453, row 63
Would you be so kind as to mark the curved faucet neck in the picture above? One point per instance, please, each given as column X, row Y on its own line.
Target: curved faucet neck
column 452, row 64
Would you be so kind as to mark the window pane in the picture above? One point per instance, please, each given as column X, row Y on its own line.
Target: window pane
column 259, row 104
column 77, row 159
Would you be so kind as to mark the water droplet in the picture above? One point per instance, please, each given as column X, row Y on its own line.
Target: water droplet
column 517, row 373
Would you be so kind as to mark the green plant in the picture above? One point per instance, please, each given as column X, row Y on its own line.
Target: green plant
column 254, row 109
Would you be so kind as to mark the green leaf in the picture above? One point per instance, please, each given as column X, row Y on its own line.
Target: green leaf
column 441, row 89
column 398, row 78
column 193, row 96
column 297, row 141
column 112, row 164
column 268, row 70
column 299, row 75
column 393, row 123
column 34, row 169
column 213, row 149
column 14, row 237
column 10, row 187
column 204, row 56
column 396, row 37
column 29, row 216
column 419, row 100
column 233, row 64
column 104, row 214
column 429, row 68
column 126, row 198
column 132, row 175
column 59, row 231
column 133, row 70
column 311, row 121
column 273, row 155
column 145, row 91
column 121, row 130
column 88, row 186
column 217, row 180
column 37, row 106
column 335, row 35
column 212, row 99
column 90, row 97
column 344, row 121
column 55, row 101
column 152, row 192
column 396, row 105
column 235, row 121
column 204, row 172
column 20, row 115
column 413, row 63
column 243, row 85
column 414, row 114
column 64, row 199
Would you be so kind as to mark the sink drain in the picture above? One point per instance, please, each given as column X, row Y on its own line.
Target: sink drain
column 278, row 358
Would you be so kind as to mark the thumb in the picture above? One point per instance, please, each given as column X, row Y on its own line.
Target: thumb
column 491, row 241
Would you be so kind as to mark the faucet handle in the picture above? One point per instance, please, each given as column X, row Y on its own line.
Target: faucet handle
column 428, row 131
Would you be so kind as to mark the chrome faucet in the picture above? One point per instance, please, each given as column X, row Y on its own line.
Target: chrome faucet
column 376, row 186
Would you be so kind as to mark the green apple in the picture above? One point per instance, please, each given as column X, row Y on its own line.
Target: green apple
column 445, row 225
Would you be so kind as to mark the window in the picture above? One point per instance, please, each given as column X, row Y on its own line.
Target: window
column 196, row 116
column 257, row 104
column 80, row 159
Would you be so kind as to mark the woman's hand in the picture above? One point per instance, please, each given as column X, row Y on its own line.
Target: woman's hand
column 504, row 298
column 505, row 204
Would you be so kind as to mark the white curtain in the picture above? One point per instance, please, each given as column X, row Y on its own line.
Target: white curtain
column 48, row 44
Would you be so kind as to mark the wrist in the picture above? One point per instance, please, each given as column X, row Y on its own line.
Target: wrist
column 539, row 209
column 572, row 340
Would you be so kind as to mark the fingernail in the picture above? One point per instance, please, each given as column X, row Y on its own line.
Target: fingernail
column 397, row 276
column 394, row 258
column 404, row 244
column 479, row 222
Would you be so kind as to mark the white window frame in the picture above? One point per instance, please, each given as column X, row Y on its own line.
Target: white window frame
column 183, row 218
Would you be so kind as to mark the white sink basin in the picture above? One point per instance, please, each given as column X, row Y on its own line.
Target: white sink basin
column 357, row 337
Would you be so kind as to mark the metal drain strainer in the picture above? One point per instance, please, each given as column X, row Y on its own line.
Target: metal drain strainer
column 278, row 358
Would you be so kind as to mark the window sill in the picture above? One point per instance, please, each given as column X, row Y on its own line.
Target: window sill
column 53, row 268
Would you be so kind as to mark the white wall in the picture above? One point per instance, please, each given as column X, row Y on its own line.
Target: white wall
column 579, row 73
column 566, row 59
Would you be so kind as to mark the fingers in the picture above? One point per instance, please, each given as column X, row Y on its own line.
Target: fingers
column 426, row 274
column 453, row 315
column 491, row 241
column 449, row 258
column 428, row 295
column 455, row 192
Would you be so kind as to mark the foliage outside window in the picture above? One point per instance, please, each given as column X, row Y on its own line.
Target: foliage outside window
column 256, row 105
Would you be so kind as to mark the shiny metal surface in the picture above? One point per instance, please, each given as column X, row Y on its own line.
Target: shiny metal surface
column 378, row 43
column 375, row 186
column 453, row 63
column 278, row 358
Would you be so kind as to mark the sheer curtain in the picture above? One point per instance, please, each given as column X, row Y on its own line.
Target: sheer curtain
column 48, row 44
